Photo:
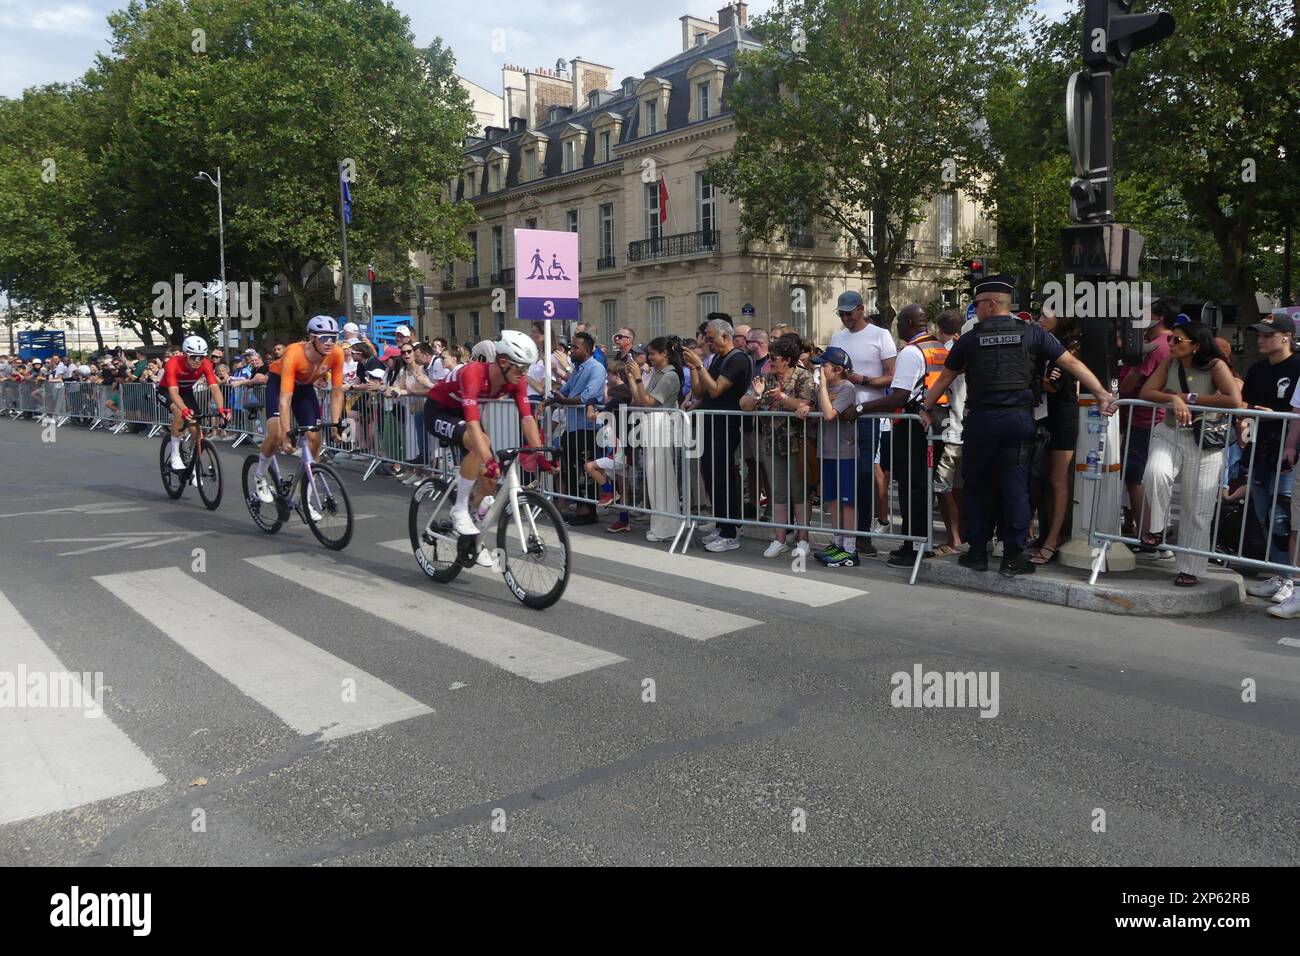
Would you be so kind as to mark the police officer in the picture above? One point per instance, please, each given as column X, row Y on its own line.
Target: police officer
column 999, row 357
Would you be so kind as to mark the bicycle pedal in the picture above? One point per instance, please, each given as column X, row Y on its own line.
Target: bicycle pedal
column 467, row 550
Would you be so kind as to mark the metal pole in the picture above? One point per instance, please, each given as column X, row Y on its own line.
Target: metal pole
column 221, row 239
column 347, row 274
column 9, row 301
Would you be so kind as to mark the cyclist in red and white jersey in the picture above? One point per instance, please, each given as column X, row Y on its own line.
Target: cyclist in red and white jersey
column 176, row 391
column 451, row 414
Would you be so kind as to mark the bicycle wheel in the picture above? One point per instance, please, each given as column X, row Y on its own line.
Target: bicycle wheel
column 435, row 555
column 173, row 481
column 326, row 507
column 208, row 471
column 265, row 516
column 536, row 566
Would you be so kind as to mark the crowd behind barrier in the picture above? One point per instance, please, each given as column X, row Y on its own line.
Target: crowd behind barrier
column 1215, row 498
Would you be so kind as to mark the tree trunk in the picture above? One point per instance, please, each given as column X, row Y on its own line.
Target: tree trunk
column 94, row 321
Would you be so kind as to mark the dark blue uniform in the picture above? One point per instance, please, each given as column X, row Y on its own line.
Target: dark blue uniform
column 999, row 427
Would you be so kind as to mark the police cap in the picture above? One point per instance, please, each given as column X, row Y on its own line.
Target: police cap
column 1003, row 284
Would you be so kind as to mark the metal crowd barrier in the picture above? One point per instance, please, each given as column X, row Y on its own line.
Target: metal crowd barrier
column 1190, row 523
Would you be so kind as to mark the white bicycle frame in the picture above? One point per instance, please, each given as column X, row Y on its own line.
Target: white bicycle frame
column 507, row 494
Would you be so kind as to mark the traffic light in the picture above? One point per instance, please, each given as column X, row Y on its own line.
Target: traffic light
column 976, row 270
column 1111, row 33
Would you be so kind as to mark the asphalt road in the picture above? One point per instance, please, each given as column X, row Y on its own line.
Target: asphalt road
column 480, row 731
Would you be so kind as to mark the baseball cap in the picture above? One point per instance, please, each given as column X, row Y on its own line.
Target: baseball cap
column 36, row 361
column 1277, row 322
column 351, row 327
column 639, row 349
column 834, row 356
column 402, row 330
column 376, row 373
column 848, row 301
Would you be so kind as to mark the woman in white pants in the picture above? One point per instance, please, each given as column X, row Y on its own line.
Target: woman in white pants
column 660, row 431
column 1196, row 373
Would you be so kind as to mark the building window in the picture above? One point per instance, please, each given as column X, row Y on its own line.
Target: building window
column 651, row 117
column 947, row 221
column 702, row 101
column 604, row 146
column 530, row 223
column 653, row 227
column 570, row 155
column 571, row 220
column 609, row 319
column 706, row 207
column 800, row 296
column 498, row 248
column 492, row 178
column 607, row 230
column 500, row 322
column 473, row 326
column 709, row 302
column 450, row 330
column 530, row 164
column 658, row 309
column 473, row 260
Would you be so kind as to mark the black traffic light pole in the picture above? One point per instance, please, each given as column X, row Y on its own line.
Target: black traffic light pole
column 1098, row 249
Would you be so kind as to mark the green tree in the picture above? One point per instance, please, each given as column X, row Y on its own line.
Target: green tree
column 881, row 108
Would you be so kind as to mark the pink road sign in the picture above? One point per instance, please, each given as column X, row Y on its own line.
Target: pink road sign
column 546, row 275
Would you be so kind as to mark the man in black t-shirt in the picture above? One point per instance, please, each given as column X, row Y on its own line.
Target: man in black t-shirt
column 1269, row 386
column 719, row 389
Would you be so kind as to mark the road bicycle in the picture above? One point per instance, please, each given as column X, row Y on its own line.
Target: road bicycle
column 530, row 547
column 202, row 469
column 314, row 491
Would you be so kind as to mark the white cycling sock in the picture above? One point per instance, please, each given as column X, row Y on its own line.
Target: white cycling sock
column 175, row 444
column 464, row 489
column 849, row 543
column 261, row 463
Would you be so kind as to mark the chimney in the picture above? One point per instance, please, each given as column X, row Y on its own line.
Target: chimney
column 726, row 17
column 742, row 14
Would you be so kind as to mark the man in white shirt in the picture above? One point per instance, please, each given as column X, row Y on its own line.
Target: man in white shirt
column 872, row 352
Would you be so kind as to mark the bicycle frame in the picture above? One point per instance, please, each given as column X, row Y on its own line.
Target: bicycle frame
column 303, row 474
column 508, row 493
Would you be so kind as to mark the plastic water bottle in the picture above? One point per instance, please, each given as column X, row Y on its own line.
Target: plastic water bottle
column 485, row 506
column 1094, row 419
column 1093, row 471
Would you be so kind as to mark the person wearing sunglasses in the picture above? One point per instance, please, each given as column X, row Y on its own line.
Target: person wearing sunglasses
column 302, row 365
column 1196, row 373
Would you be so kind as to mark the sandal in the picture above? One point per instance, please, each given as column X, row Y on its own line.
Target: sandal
column 1041, row 556
column 1185, row 581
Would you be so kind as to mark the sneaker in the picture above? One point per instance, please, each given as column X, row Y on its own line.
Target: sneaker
column 1285, row 592
column 830, row 553
column 867, row 549
column 657, row 539
column 618, row 526
column 707, row 529
column 774, row 548
column 1287, row 609
column 1266, row 589
column 975, row 560
column 801, row 550
column 708, row 536
column 175, row 461
column 484, row 558
column 463, row 524
column 881, row 528
column 313, row 513
column 722, row 544
column 846, row 559
column 607, row 499
column 263, row 488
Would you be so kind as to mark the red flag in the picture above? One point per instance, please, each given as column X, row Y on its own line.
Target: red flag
column 371, row 274
column 663, row 203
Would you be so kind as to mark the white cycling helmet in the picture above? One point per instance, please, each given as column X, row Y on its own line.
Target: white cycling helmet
column 195, row 345
column 323, row 325
column 517, row 346
column 485, row 351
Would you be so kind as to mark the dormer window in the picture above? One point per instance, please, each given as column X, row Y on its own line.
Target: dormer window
column 702, row 100
column 604, row 155
column 570, row 155
column 593, row 99
column 650, row 113
column 653, row 94
column 706, row 77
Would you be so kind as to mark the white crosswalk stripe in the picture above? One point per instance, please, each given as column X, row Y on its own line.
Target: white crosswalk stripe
column 56, row 758
column 681, row 617
column 786, row 586
column 306, row 687
column 518, row 648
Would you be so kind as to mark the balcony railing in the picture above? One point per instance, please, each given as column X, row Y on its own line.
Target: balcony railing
column 504, row 277
column 471, row 282
column 666, row 247
column 801, row 240
column 448, row 284
column 605, row 262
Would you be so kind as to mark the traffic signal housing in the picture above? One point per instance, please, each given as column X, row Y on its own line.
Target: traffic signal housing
column 1111, row 33
column 976, row 271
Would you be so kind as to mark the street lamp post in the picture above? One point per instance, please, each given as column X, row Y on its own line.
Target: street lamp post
column 221, row 239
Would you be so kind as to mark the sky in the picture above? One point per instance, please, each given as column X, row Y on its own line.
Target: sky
column 49, row 41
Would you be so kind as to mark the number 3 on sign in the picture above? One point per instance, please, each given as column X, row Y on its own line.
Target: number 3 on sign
column 548, row 309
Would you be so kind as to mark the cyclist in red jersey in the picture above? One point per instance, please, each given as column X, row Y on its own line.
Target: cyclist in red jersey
column 176, row 391
column 291, row 394
column 451, row 415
